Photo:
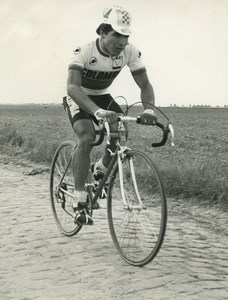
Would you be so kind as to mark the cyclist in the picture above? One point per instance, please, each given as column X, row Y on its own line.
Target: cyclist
column 92, row 70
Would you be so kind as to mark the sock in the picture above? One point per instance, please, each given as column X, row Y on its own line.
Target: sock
column 79, row 196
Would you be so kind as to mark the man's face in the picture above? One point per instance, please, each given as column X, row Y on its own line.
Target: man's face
column 114, row 42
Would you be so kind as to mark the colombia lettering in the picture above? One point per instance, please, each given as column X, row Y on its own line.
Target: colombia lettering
column 99, row 75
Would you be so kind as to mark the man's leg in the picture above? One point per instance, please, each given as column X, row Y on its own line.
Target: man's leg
column 85, row 132
column 105, row 160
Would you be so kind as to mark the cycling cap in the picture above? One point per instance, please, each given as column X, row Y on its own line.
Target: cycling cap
column 119, row 19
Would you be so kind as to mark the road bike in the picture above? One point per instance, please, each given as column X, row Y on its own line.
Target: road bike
column 133, row 186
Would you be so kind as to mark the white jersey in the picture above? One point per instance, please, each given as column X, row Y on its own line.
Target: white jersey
column 100, row 69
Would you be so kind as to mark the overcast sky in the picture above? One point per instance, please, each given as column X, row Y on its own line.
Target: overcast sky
column 184, row 44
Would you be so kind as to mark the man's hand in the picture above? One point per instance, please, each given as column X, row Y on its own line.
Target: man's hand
column 109, row 115
column 148, row 117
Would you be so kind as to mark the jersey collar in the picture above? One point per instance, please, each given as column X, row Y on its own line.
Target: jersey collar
column 102, row 52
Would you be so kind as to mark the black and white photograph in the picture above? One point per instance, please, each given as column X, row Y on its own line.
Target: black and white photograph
column 114, row 150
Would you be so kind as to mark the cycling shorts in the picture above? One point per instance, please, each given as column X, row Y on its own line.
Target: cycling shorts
column 75, row 113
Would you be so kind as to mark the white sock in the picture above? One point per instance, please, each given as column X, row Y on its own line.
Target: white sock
column 79, row 196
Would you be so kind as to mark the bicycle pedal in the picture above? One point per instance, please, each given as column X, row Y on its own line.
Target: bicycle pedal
column 83, row 219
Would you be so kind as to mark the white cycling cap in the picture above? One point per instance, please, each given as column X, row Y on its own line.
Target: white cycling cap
column 119, row 19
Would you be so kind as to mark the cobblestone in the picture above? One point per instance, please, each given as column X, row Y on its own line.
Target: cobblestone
column 38, row 262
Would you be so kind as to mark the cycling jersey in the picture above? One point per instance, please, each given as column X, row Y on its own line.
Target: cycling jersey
column 100, row 69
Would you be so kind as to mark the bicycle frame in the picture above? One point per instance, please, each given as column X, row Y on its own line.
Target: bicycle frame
column 117, row 157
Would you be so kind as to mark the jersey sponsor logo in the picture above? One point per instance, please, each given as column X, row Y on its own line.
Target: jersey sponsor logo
column 117, row 62
column 93, row 60
column 99, row 75
column 77, row 50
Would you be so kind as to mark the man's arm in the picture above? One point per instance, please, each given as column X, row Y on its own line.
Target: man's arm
column 76, row 93
column 147, row 92
column 148, row 117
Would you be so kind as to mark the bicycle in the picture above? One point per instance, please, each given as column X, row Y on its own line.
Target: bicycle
column 136, row 200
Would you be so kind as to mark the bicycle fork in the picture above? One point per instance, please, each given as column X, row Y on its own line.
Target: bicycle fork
column 127, row 206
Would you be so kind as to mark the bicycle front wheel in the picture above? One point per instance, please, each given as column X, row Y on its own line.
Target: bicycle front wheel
column 137, row 224
column 62, row 188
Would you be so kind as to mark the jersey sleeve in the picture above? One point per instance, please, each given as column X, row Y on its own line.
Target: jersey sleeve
column 78, row 59
column 135, row 63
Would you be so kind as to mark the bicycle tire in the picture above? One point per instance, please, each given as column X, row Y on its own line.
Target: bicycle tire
column 137, row 233
column 61, row 179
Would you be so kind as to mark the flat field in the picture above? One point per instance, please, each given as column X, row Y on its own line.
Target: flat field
column 197, row 167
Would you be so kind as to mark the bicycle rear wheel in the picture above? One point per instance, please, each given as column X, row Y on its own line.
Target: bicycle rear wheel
column 62, row 189
column 139, row 228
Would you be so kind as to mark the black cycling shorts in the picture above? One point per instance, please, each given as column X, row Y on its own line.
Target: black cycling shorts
column 76, row 113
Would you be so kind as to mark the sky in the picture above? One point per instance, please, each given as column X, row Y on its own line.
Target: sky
column 184, row 45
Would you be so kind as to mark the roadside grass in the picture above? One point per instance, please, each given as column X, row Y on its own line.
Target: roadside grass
column 195, row 168
column 200, row 181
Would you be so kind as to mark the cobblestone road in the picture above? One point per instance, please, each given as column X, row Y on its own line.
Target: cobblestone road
column 37, row 262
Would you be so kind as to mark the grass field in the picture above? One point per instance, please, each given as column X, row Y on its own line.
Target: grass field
column 197, row 167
